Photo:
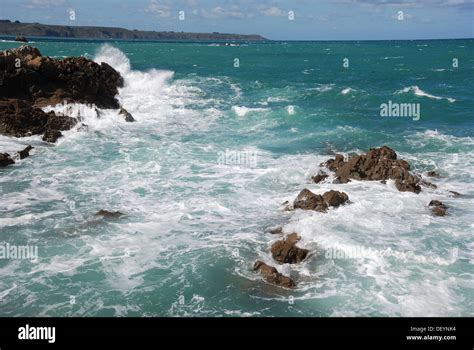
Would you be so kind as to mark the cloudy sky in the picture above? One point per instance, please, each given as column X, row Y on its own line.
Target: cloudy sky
column 312, row 19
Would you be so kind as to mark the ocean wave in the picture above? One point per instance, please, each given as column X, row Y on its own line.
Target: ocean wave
column 419, row 92
column 345, row 91
column 242, row 111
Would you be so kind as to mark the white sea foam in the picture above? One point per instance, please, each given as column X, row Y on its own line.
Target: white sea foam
column 345, row 91
column 418, row 92
column 242, row 111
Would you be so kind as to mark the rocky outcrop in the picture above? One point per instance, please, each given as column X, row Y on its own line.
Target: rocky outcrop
column 438, row 208
column 109, row 214
column 47, row 81
column 276, row 230
column 52, row 136
column 19, row 118
column 21, row 38
column 24, row 153
column 271, row 275
column 320, row 177
column 378, row 164
column 30, row 81
column 126, row 115
column 307, row 200
column 285, row 251
column 335, row 198
column 5, row 160
column 432, row 173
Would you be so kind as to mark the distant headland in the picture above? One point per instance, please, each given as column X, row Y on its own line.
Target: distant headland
column 17, row 28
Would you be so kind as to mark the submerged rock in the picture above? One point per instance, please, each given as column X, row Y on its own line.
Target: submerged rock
column 276, row 230
column 25, row 152
column 21, row 38
column 432, row 173
column 285, row 251
column 307, row 200
column 109, row 214
column 320, row 177
column 52, row 136
column 377, row 164
column 455, row 194
column 5, row 160
column 127, row 116
column 271, row 275
column 438, row 208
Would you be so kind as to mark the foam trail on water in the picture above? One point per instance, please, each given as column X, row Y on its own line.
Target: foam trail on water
column 419, row 92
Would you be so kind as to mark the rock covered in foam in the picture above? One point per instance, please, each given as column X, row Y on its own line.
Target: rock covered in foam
column 109, row 214
column 126, row 115
column 438, row 208
column 378, row 164
column 271, row 275
column 19, row 118
column 5, row 160
column 285, row 251
column 308, row 200
column 30, row 81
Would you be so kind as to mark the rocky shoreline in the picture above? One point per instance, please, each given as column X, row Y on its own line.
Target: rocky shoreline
column 378, row 164
column 30, row 82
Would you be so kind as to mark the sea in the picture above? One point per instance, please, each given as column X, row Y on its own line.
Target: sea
column 223, row 136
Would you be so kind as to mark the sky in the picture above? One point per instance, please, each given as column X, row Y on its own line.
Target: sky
column 273, row 19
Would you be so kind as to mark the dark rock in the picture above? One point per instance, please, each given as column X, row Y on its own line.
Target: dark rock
column 427, row 184
column 377, row 164
column 285, row 251
column 432, row 173
column 276, row 231
column 52, row 136
column 21, row 39
column 307, row 200
column 335, row 198
column 109, row 214
column 320, row 177
column 45, row 81
column 128, row 117
column 83, row 127
column 25, row 152
column 271, row 275
column 285, row 206
column 455, row 194
column 5, row 160
column 341, row 180
column 19, row 118
column 438, row 208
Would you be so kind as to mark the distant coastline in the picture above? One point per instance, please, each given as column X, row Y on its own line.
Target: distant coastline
column 16, row 28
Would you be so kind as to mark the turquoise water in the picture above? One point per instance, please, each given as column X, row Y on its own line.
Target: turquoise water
column 196, row 222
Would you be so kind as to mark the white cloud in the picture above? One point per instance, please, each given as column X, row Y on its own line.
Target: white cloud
column 222, row 12
column 44, row 3
column 159, row 8
column 272, row 11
